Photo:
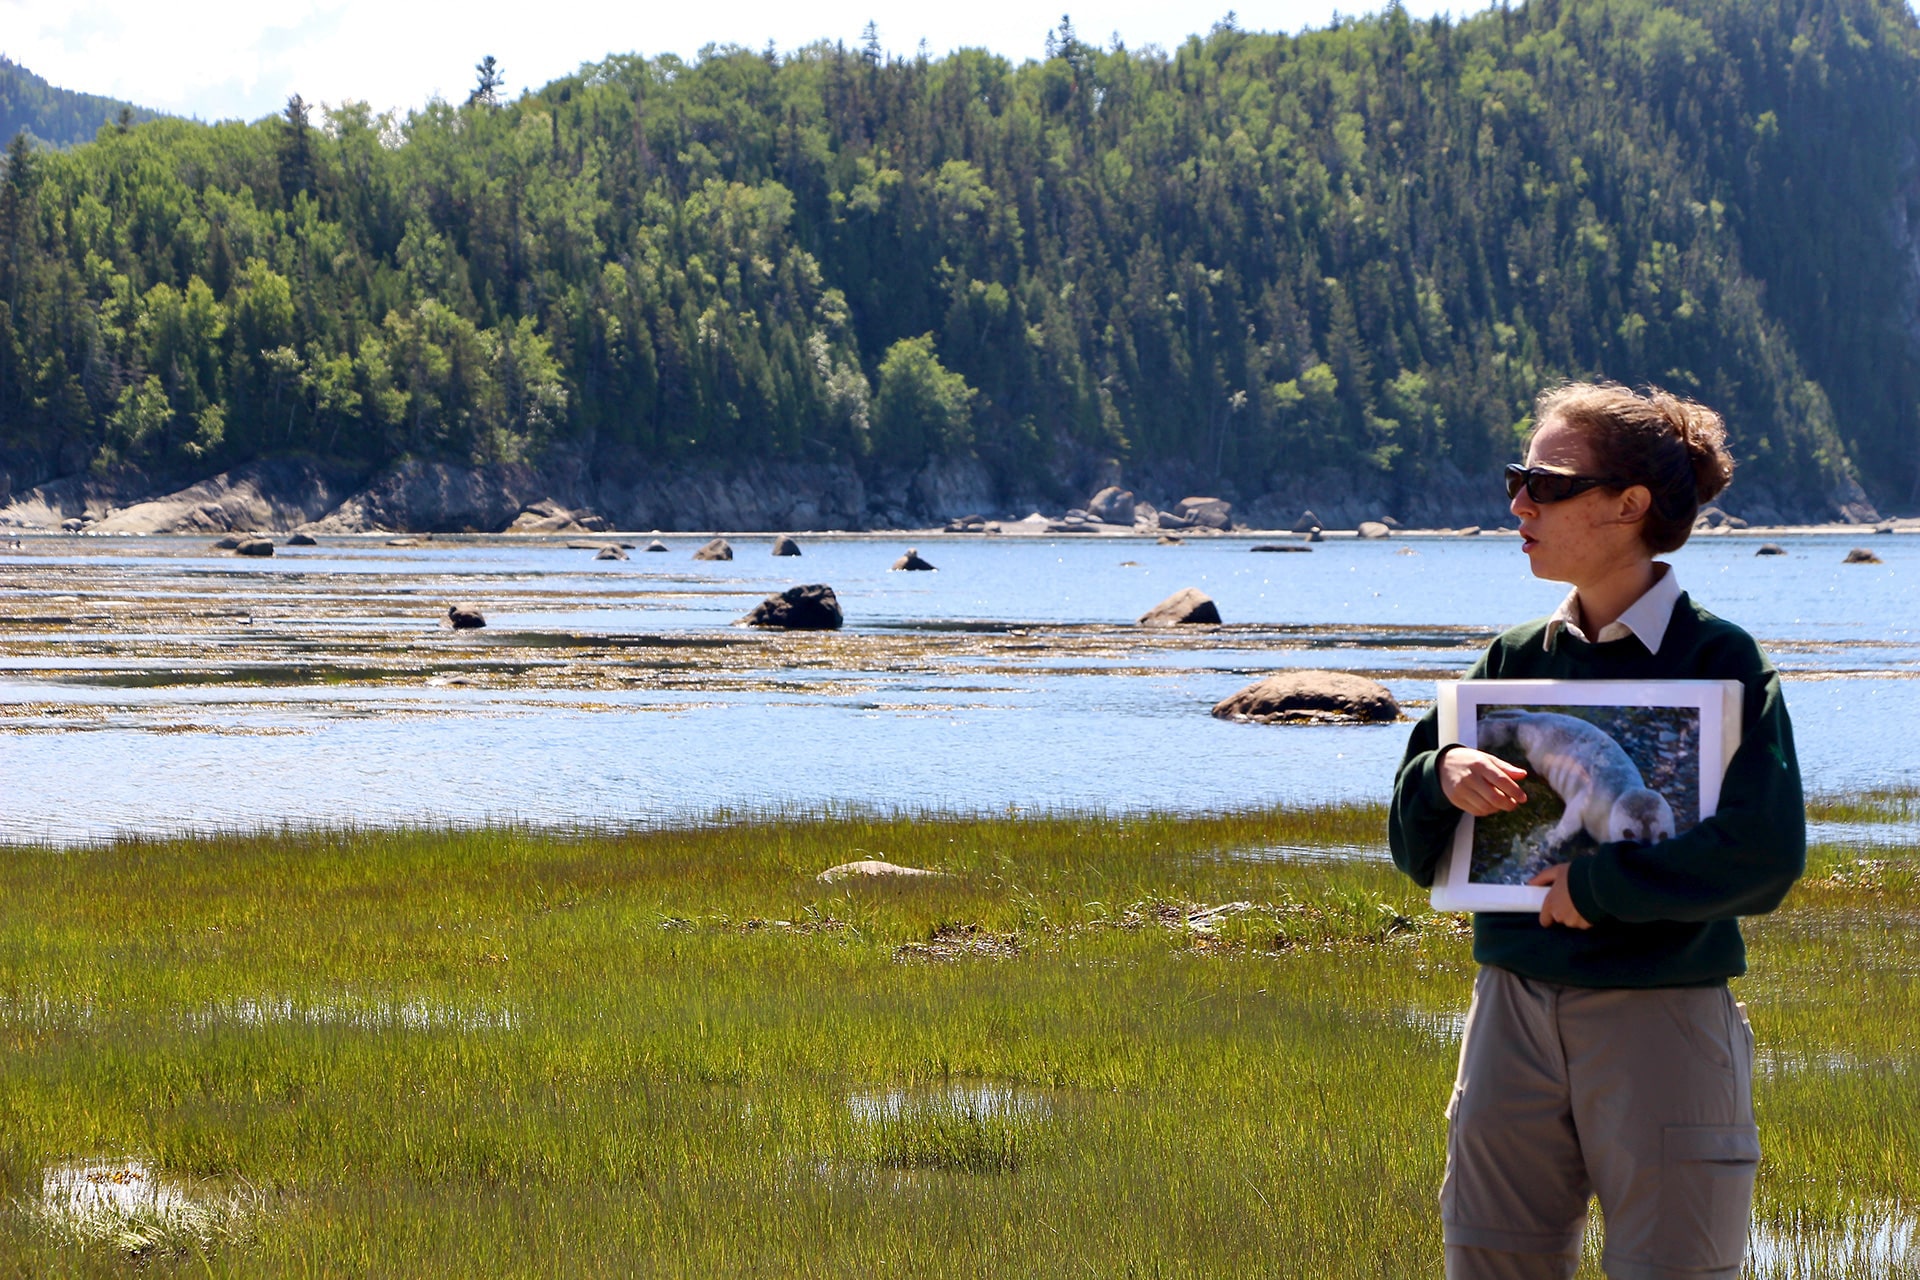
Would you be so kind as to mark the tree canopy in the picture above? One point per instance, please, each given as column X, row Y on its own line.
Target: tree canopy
column 1363, row 247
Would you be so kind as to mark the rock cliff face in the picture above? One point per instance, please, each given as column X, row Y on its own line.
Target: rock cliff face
column 273, row 496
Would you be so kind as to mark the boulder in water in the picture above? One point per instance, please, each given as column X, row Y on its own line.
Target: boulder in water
column 912, row 561
column 610, row 553
column 1279, row 546
column 254, row 547
column 1187, row 606
column 1311, row 697
column 1860, row 555
column 1373, row 529
column 656, row 545
column 1770, row 549
column 303, row 540
column 810, row 608
column 465, row 617
column 785, row 546
column 715, row 550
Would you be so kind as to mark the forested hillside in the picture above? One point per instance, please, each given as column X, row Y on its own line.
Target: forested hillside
column 1254, row 257
column 58, row 117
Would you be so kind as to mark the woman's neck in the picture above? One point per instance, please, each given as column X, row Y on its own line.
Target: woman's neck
column 1603, row 600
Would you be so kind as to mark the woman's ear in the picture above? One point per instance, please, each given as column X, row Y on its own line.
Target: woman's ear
column 1633, row 504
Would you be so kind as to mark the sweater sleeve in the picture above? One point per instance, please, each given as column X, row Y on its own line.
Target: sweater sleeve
column 1739, row 862
column 1421, row 821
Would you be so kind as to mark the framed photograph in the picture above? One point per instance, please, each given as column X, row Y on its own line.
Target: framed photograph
column 1606, row 760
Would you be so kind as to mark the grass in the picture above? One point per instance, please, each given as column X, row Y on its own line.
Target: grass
column 1095, row 1046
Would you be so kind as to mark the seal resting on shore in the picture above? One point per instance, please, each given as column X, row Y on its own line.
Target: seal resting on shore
column 912, row 560
column 1604, row 792
column 465, row 617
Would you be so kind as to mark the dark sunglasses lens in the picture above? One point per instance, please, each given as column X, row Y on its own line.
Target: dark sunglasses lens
column 1541, row 486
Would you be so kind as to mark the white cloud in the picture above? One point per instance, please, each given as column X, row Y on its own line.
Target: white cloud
column 226, row 58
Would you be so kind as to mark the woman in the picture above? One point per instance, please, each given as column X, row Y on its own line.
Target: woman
column 1603, row 1053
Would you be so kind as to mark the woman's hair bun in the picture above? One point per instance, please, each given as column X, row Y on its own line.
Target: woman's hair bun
column 1704, row 434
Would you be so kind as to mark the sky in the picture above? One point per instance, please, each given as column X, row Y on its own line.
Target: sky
column 221, row 59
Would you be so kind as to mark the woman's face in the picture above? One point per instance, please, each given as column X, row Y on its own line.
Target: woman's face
column 1588, row 537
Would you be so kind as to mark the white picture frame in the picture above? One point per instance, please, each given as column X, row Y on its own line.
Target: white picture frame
column 1681, row 756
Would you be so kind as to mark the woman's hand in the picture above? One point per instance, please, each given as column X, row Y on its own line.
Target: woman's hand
column 1558, row 908
column 1481, row 784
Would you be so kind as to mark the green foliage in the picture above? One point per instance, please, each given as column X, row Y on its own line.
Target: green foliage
column 922, row 407
column 57, row 117
column 1367, row 246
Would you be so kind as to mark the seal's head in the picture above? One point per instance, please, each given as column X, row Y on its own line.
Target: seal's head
column 1640, row 814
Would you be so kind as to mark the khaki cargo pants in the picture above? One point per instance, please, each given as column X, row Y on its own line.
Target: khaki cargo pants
column 1641, row 1097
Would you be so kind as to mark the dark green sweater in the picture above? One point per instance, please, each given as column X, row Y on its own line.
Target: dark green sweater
column 1664, row 914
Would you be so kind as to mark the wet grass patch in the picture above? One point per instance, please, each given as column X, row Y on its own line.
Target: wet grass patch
column 1098, row 1043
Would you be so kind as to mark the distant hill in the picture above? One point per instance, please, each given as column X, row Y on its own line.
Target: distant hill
column 60, row 117
column 1270, row 267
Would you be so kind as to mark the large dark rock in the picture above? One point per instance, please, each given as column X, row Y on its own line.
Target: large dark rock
column 912, row 561
column 1307, row 522
column 254, row 547
column 809, row 608
column 1311, row 697
column 1770, row 549
column 656, row 545
column 1186, row 606
column 1112, row 505
column 1279, row 546
column 610, row 553
column 715, row 550
column 785, row 546
column 465, row 617
column 1860, row 555
column 303, row 540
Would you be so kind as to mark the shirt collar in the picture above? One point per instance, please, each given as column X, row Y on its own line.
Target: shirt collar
column 1646, row 617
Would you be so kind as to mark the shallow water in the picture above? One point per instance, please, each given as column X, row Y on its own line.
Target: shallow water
column 154, row 685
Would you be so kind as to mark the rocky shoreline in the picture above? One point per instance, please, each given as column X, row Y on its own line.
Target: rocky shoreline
column 567, row 495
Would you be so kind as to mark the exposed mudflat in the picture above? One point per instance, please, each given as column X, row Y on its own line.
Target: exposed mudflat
column 154, row 683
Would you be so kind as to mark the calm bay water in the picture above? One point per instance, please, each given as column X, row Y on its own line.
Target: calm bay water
column 152, row 685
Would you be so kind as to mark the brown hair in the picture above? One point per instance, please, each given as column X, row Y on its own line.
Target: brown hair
column 1675, row 447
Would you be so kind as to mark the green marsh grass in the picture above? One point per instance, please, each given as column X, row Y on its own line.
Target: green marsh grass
column 1096, row 1045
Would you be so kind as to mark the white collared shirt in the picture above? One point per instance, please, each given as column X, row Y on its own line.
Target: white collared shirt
column 1646, row 617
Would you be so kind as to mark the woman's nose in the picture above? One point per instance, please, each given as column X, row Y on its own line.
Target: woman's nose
column 1522, row 505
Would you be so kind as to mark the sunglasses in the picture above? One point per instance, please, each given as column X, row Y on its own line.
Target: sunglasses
column 1544, row 486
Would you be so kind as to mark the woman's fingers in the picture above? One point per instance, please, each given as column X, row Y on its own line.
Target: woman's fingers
column 1481, row 784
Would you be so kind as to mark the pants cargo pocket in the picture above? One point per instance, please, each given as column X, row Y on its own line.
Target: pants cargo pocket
column 1706, row 1195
